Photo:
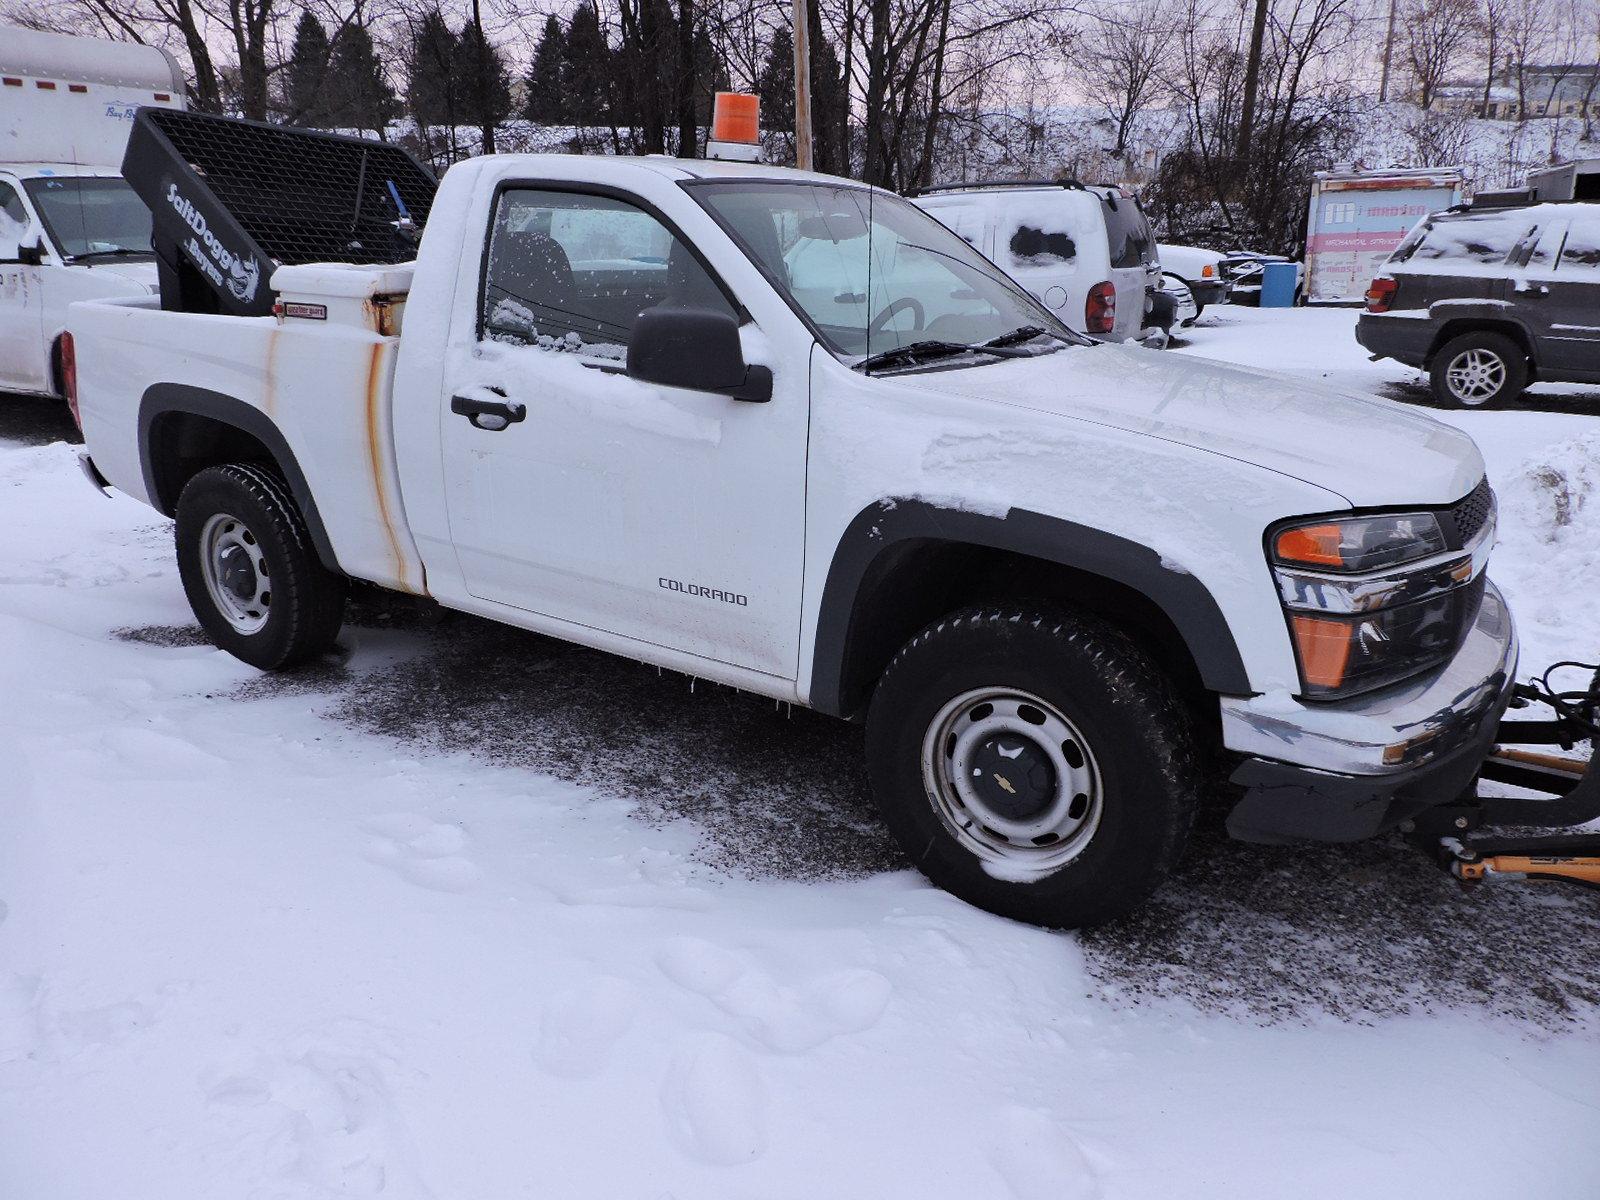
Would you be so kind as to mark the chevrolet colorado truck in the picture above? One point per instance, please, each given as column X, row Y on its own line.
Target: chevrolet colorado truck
column 789, row 433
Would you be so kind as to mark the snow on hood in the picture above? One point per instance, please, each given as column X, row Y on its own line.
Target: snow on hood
column 1370, row 452
column 143, row 274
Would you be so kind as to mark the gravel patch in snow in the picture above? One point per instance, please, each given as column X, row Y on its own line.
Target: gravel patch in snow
column 1267, row 934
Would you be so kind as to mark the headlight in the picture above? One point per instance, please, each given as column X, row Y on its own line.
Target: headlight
column 1371, row 600
column 1345, row 655
column 1360, row 543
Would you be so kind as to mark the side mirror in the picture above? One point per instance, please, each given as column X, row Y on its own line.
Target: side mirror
column 695, row 348
column 31, row 256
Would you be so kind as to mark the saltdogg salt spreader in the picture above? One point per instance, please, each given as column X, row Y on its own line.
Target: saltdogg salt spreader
column 233, row 200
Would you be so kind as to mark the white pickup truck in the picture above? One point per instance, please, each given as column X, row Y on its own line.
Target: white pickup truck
column 1057, row 581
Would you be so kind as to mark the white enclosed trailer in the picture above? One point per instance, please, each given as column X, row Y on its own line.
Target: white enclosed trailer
column 1357, row 218
column 70, row 228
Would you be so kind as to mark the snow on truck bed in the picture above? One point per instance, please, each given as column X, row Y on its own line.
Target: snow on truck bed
column 473, row 914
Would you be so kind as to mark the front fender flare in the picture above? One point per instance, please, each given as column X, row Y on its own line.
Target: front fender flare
column 1185, row 601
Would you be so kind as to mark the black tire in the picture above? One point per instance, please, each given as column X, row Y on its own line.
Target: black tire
column 1491, row 349
column 1137, row 731
column 301, row 602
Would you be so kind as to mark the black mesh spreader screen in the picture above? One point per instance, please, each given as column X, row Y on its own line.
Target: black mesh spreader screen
column 300, row 195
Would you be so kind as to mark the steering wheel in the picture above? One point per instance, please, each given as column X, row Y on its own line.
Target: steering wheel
column 894, row 309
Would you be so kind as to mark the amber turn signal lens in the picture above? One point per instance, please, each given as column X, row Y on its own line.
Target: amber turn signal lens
column 1314, row 544
column 736, row 117
column 1324, row 650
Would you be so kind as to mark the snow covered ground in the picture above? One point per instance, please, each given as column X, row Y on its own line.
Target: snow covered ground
column 471, row 914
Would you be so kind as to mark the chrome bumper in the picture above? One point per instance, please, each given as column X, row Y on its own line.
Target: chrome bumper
column 1398, row 729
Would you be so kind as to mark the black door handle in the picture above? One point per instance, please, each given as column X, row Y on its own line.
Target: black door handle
column 492, row 415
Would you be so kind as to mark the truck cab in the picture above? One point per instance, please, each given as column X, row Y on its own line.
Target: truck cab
column 70, row 227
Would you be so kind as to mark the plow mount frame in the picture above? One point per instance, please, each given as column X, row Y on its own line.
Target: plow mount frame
column 1571, row 797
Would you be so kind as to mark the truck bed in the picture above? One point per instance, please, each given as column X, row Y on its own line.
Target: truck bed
column 140, row 368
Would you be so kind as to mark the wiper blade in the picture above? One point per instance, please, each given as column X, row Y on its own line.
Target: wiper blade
column 929, row 349
column 1024, row 333
column 113, row 253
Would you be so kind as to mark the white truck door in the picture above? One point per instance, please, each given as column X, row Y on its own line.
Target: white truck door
column 24, row 365
column 670, row 516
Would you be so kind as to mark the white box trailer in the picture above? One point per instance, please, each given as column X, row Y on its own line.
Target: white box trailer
column 70, row 227
column 1357, row 218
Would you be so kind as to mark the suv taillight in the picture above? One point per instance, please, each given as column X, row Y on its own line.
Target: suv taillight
column 1100, row 309
column 1381, row 294
column 69, row 378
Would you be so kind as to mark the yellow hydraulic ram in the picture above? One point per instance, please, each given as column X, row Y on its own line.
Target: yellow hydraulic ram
column 1583, row 870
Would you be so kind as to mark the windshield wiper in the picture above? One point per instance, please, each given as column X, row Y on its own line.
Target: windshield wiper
column 929, row 349
column 1025, row 333
column 113, row 253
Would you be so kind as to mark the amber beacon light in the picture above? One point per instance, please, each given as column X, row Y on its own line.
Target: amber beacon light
column 735, row 127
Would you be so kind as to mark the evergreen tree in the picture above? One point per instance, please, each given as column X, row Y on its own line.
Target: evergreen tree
column 547, row 100
column 710, row 75
column 306, row 74
column 482, row 80
column 775, row 83
column 587, row 66
column 359, row 94
column 431, row 89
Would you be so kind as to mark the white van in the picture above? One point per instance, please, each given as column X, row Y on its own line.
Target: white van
column 1086, row 252
column 70, row 228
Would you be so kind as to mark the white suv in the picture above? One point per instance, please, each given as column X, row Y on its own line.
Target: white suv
column 1087, row 253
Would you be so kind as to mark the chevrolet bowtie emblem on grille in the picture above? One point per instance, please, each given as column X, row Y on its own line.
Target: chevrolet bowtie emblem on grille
column 1005, row 783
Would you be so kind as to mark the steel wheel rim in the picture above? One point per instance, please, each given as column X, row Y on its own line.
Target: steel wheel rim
column 1474, row 376
column 981, row 728
column 236, row 573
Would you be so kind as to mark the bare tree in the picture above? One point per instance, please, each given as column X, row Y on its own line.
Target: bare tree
column 1494, row 15
column 1131, row 44
column 1527, row 30
column 1436, row 34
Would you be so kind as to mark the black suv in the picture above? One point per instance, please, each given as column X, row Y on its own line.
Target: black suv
column 1489, row 300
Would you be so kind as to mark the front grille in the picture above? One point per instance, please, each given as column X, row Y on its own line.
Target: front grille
column 1466, row 517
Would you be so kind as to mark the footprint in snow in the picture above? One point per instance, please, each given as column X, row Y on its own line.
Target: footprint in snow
column 1040, row 1160
column 714, row 1103
column 783, row 1019
column 323, row 1116
column 422, row 851
column 581, row 1024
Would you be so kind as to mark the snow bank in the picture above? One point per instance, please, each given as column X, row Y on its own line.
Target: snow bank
column 1549, row 551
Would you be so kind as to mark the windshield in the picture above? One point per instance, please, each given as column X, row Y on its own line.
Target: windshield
column 871, row 272
column 91, row 216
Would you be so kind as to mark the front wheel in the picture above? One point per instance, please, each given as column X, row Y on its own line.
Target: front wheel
column 1478, row 369
column 250, row 571
column 1035, row 762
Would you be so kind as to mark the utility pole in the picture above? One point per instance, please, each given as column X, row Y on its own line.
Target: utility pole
column 802, row 86
column 1388, row 53
column 1252, row 76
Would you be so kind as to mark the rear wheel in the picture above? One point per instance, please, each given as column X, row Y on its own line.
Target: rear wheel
column 1034, row 762
column 1478, row 369
column 250, row 571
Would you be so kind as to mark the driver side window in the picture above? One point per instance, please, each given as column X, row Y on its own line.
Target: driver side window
column 572, row 271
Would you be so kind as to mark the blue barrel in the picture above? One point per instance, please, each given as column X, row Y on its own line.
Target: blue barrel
column 1277, row 284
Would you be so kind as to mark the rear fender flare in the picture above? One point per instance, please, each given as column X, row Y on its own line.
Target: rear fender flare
column 165, row 399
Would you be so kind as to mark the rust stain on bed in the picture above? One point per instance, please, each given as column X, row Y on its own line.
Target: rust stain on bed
column 375, row 460
column 383, row 313
column 269, row 374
